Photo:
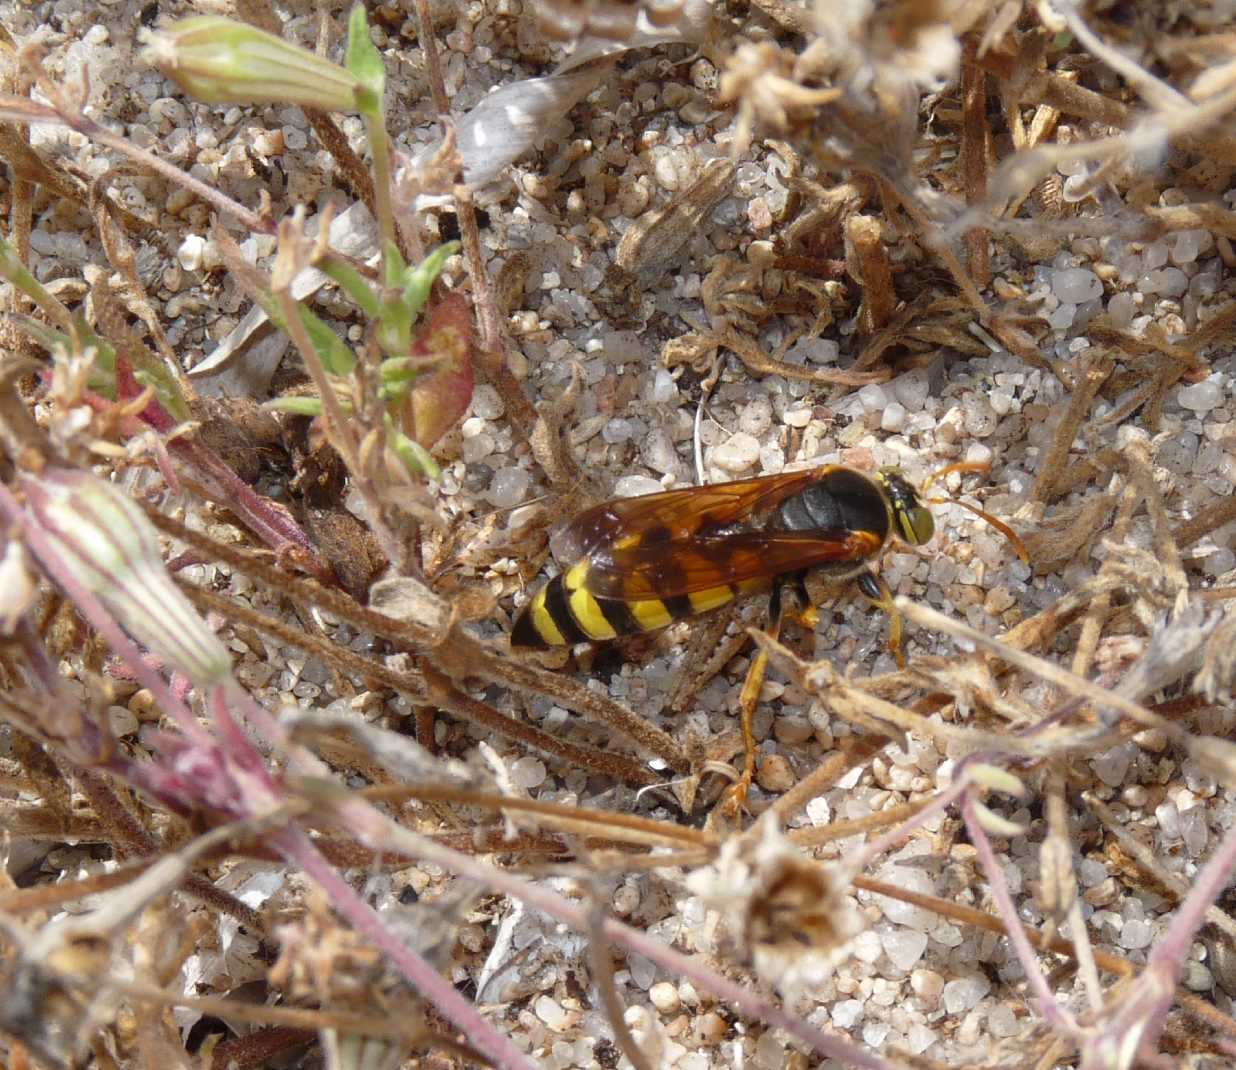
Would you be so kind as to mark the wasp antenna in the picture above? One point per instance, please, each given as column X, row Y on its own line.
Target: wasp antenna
column 1012, row 536
column 958, row 466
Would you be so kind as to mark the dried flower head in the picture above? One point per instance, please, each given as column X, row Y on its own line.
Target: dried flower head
column 788, row 914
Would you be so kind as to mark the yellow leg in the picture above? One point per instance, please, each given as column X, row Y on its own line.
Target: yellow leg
column 875, row 590
column 749, row 697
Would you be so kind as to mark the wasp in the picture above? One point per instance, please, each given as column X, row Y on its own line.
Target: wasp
column 639, row 564
column 642, row 563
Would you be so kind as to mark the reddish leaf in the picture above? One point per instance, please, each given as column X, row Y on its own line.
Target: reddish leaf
column 441, row 398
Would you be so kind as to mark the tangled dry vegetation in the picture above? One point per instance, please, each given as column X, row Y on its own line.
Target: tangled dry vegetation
column 275, row 790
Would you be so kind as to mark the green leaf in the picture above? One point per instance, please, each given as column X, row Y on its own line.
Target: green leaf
column 364, row 62
column 296, row 404
column 420, row 279
column 414, row 456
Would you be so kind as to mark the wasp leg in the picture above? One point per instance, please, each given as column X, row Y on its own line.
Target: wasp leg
column 876, row 591
column 749, row 697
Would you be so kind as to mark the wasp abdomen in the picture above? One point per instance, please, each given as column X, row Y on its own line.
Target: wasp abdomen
column 564, row 612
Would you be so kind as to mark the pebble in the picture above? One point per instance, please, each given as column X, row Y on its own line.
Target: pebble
column 664, row 389
column 1121, row 309
column 1154, row 255
column 775, row 774
column 1075, row 285
column 664, row 996
column 1135, row 934
column 1201, row 397
column 1112, row 765
column 738, row 454
column 509, row 487
column 927, row 985
column 911, row 389
column 487, row 403
column 528, row 772
column 1195, row 831
column 756, row 417
column 1187, row 245
column 550, row 1012
column 189, row 255
column 872, row 398
column 797, row 417
column 634, row 486
column 904, row 947
column 965, row 992
column 1002, row 1022
column 846, row 1013
column 792, row 729
column 1168, row 818
column 893, row 419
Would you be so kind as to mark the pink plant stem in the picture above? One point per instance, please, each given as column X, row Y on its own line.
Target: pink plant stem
column 1053, row 1013
column 1154, row 990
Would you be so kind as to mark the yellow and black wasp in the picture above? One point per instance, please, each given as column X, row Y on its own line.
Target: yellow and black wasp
column 639, row 564
column 642, row 563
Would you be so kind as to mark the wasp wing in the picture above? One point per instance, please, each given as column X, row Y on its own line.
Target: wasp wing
column 677, row 515
column 666, row 569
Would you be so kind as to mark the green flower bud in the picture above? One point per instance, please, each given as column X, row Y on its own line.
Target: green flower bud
column 222, row 61
column 104, row 542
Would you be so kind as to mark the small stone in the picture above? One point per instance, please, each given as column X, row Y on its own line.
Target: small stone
column 911, row 389
column 978, row 417
column 1061, row 317
column 756, row 418
column 797, row 417
column 664, row 996
column 528, row 772
column 1197, row 978
column 618, row 430
column 1201, row 397
column 775, row 774
column 1172, row 282
column 1002, row 1022
column 965, row 992
column 928, row 986
column 509, row 487
column 1112, row 765
column 664, row 389
column 1154, row 255
column 123, row 722
column 738, row 454
column 189, row 255
column 634, row 486
column 792, row 730
column 919, row 1038
column 1090, row 872
column 904, row 947
column 1135, row 934
column 1195, row 831
column 487, row 403
column 1168, row 818
column 1187, row 245
column 846, row 1013
column 1075, row 285
column 643, row 970
column 550, row 1012
column 872, row 398
column 1121, row 309
column 893, row 419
